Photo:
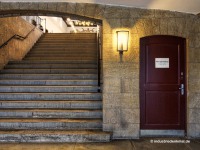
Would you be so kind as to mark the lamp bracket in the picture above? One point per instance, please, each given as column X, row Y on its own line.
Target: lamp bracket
column 121, row 52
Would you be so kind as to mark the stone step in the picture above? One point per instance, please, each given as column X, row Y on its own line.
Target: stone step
column 90, row 35
column 81, row 105
column 69, row 36
column 51, row 66
column 49, row 71
column 50, row 96
column 48, row 89
column 53, row 89
column 49, row 82
column 61, row 55
column 50, row 124
column 56, row 136
column 54, row 62
column 60, row 58
column 57, row 52
column 51, row 113
column 62, row 51
column 49, row 76
column 67, row 40
column 66, row 37
column 67, row 46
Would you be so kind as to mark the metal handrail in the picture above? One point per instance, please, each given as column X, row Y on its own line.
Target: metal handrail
column 16, row 36
column 99, row 60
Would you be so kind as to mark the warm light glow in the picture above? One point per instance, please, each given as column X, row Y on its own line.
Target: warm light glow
column 68, row 19
column 122, row 40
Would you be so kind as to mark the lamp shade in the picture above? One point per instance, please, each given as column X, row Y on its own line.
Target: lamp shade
column 122, row 40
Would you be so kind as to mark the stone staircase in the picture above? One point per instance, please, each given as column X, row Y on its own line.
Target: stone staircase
column 52, row 94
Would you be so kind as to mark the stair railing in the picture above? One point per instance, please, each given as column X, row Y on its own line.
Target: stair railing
column 99, row 58
column 16, row 36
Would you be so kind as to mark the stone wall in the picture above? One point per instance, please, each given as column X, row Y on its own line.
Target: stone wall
column 16, row 49
column 194, row 80
column 121, row 75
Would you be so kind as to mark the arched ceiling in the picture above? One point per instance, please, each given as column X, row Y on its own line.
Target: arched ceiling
column 188, row 6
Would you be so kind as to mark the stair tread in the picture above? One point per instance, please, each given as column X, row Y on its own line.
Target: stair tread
column 51, row 69
column 50, row 110
column 59, row 101
column 66, row 42
column 55, row 61
column 52, row 101
column 49, row 132
column 42, row 120
column 74, row 74
column 86, row 93
column 47, row 86
column 45, row 80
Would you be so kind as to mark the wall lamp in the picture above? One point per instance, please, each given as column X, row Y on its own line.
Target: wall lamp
column 122, row 41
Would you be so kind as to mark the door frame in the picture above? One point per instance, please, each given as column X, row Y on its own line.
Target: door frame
column 142, row 76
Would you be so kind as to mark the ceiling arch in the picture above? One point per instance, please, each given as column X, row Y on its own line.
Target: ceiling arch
column 188, row 6
column 11, row 13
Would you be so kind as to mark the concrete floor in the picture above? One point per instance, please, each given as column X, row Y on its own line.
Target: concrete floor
column 142, row 144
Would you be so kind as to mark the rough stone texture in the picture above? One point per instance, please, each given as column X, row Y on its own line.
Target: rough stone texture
column 80, row 9
column 121, row 74
column 16, row 49
column 71, row 8
column 158, row 22
column 141, row 13
column 33, row 6
column 99, row 11
column 6, row 6
column 24, row 6
column 14, row 5
column 44, row 6
column 90, row 10
column 62, row 7
column 52, row 6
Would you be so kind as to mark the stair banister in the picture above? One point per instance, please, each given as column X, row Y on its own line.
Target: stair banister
column 99, row 59
column 16, row 36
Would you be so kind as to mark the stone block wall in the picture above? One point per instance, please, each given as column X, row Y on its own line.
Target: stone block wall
column 193, row 106
column 121, row 111
column 16, row 49
column 121, row 75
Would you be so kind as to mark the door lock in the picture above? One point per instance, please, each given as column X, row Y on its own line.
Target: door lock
column 182, row 89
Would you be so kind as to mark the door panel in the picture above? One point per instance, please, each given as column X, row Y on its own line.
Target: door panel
column 158, row 75
column 161, row 101
column 162, row 71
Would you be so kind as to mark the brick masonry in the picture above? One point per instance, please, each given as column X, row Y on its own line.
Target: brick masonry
column 16, row 49
column 121, row 75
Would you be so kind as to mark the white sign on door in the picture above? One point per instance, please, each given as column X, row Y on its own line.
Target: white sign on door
column 161, row 62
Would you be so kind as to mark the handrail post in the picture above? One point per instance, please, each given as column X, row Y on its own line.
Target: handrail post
column 98, row 60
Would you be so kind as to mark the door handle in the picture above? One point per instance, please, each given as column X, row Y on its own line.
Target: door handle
column 182, row 89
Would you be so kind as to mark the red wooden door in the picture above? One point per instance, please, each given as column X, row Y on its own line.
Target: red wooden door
column 162, row 73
